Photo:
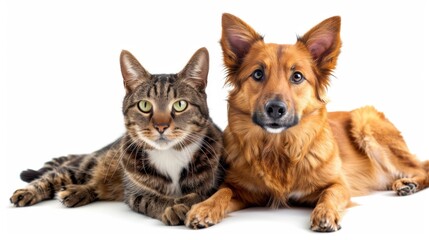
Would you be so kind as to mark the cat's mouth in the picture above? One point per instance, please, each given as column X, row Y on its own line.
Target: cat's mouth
column 162, row 138
column 162, row 142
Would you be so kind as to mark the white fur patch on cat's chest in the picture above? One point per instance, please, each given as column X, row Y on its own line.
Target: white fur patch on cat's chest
column 171, row 163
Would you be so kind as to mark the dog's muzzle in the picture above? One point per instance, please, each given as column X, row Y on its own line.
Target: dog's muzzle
column 275, row 117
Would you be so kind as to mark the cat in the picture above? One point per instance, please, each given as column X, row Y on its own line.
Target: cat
column 169, row 158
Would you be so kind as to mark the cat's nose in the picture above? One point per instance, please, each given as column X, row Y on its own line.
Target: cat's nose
column 161, row 127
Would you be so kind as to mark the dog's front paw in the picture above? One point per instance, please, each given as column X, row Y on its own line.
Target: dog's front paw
column 204, row 215
column 404, row 187
column 24, row 197
column 324, row 219
column 175, row 215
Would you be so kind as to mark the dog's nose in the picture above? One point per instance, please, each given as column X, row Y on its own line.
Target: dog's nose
column 275, row 109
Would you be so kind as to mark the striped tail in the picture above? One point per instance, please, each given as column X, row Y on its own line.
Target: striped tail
column 30, row 175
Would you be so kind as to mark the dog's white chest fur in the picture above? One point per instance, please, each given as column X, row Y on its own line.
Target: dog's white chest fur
column 171, row 162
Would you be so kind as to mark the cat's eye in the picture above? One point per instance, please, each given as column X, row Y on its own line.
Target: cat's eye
column 145, row 106
column 258, row 75
column 180, row 106
column 297, row 77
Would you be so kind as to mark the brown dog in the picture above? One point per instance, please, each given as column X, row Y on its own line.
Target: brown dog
column 283, row 146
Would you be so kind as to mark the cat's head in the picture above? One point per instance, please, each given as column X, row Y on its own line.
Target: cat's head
column 165, row 110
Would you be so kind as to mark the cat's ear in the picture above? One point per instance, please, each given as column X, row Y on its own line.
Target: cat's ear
column 197, row 69
column 132, row 71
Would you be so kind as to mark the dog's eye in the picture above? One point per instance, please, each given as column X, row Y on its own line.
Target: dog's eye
column 258, row 75
column 297, row 78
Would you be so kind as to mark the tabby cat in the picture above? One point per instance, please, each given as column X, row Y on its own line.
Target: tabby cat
column 169, row 158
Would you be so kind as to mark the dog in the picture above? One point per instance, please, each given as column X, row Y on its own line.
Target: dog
column 282, row 145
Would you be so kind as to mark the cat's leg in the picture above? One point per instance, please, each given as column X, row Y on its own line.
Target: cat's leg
column 170, row 210
column 150, row 203
column 74, row 195
column 43, row 188
column 56, row 175
column 103, row 182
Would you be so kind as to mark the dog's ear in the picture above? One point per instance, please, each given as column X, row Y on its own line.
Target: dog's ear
column 132, row 71
column 237, row 38
column 196, row 71
column 324, row 43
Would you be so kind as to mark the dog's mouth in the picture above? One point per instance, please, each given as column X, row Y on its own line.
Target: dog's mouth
column 275, row 127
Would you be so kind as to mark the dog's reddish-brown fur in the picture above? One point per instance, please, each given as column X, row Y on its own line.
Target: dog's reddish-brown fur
column 320, row 158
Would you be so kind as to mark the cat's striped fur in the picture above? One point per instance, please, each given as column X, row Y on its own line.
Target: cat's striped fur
column 168, row 159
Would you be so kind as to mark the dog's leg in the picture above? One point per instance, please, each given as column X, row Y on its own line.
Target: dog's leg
column 212, row 210
column 385, row 146
column 418, row 179
column 410, row 174
column 329, row 209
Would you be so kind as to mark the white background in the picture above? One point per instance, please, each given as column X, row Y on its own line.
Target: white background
column 61, row 92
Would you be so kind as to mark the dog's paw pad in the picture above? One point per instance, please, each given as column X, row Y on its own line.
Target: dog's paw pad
column 404, row 187
column 325, row 220
column 203, row 217
column 200, row 224
column 325, row 226
column 408, row 189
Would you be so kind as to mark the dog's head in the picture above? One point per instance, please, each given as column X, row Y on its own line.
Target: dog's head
column 278, row 84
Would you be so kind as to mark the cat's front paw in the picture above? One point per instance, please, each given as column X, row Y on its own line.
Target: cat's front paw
column 24, row 197
column 175, row 215
column 76, row 195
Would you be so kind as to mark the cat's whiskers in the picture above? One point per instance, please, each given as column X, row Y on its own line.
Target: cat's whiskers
column 206, row 147
column 203, row 146
column 204, row 143
column 191, row 163
column 187, row 150
column 118, row 162
column 113, row 160
column 130, row 155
